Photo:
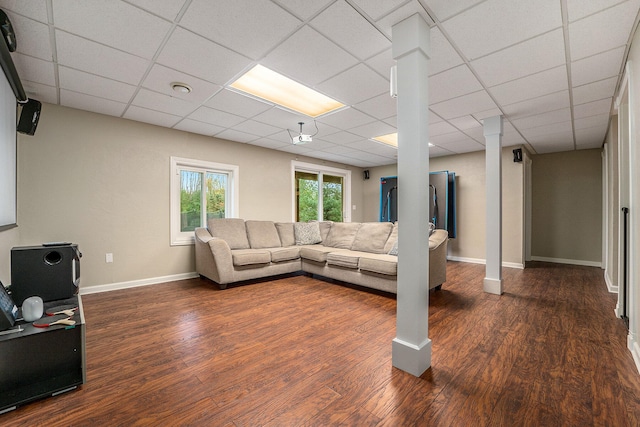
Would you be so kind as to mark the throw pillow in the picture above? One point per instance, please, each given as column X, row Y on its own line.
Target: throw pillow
column 394, row 249
column 307, row 233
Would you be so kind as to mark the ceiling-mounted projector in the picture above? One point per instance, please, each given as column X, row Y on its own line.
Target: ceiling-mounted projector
column 301, row 138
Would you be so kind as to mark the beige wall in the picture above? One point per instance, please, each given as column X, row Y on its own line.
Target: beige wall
column 103, row 182
column 470, row 182
column 612, row 203
column 567, row 206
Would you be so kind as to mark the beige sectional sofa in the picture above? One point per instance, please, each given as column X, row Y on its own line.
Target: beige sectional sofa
column 231, row 250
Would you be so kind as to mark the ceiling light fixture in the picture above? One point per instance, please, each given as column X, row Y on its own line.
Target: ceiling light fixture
column 271, row 86
column 389, row 139
column 181, row 87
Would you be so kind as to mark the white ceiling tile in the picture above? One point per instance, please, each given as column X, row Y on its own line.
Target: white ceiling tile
column 370, row 157
column 261, row 130
column 113, row 23
column 296, row 149
column 259, row 26
column 541, row 104
column 382, row 63
column 373, row 129
column 168, row 9
column 442, row 56
column 553, row 143
column 164, row 103
column 477, row 133
column 342, row 137
column 237, row 103
column 594, row 91
column 464, row 105
column 320, row 145
column 33, row 9
column 200, row 57
column 269, row 143
column 236, row 135
column 597, row 67
column 513, row 138
column 40, row 92
column 465, row 122
column 439, row 152
column 195, row 126
column 491, row 112
column 355, row 85
column 304, row 9
column 361, row 145
column 475, row 29
column 330, row 156
column 308, row 57
column 442, row 128
column 34, row 69
column 377, row 9
column 32, row 37
column 347, row 28
column 452, row 83
column 84, row 102
column 79, row 81
column 463, row 146
column 577, row 9
column 160, row 78
column 282, row 118
column 216, row 117
column 346, row 118
column 553, row 128
column 529, row 57
column 594, row 108
column 392, row 121
column 603, row 31
column 600, row 121
column 548, row 118
column 85, row 55
column 445, row 139
column 342, row 149
column 380, row 107
column 532, row 86
column 444, row 9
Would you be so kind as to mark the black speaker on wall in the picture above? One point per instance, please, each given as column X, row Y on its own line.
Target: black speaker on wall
column 29, row 117
column 50, row 271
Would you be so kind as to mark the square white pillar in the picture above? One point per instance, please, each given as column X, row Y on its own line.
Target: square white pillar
column 493, row 157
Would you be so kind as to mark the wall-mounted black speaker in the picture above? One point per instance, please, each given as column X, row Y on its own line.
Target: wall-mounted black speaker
column 517, row 155
column 29, row 117
column 51, row 272
column 365, row 174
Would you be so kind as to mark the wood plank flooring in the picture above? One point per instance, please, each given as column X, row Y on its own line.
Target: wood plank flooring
column 298, row 351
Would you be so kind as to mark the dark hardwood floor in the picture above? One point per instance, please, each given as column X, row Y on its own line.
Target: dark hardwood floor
column 298, row 351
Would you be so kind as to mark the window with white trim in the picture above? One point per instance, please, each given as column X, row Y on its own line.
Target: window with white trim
column 320, row 193
column 200, row 190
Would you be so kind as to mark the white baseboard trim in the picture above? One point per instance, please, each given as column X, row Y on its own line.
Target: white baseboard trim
column 610, row 286
column 482, row 261
column 492, row 286
column 568, row 261
column 411, row 358
column 634, row 346
column 136, row 283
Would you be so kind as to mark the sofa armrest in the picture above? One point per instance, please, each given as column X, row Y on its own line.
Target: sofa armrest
column 438, row 258
column 213, row 257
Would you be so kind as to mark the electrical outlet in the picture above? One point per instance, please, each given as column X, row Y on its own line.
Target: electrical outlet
column 109, row 257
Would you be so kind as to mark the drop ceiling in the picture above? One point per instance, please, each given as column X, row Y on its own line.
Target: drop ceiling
column 550, row 67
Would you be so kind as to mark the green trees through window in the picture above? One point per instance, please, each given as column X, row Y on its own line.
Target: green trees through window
column 194, row 198
column 311, row 188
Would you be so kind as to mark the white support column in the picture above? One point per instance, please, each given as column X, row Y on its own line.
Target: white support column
column 411, row 349
column 493, row 137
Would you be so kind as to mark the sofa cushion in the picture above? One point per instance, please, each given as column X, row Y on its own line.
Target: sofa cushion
column 372, row 237
column 262, row 234
column 379, row 263
column 307, row 233
column 242, row 257
column 393, row 238
column 285, row 231
column 284, row 254
column 325, row 227
column 315, row 252
column 231, row 230
column 394, row 249
column 342, row 235
column 348, row 259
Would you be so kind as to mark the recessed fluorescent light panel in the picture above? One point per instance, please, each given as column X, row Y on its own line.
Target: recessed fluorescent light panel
column 271, row 86
column 390, row 139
